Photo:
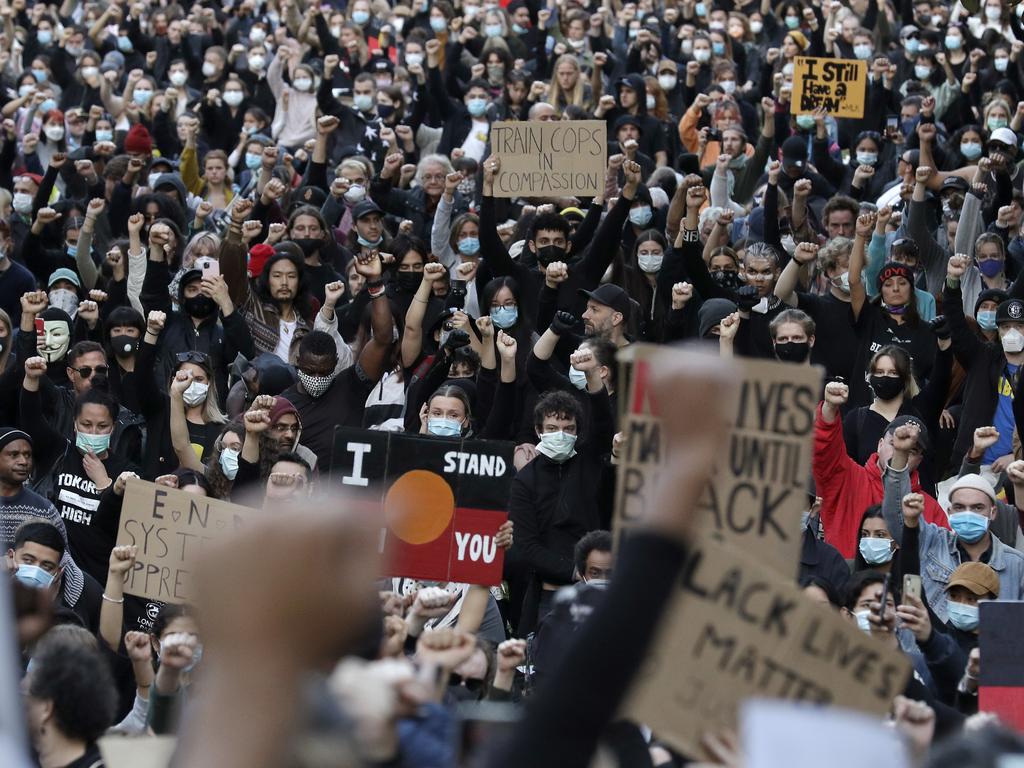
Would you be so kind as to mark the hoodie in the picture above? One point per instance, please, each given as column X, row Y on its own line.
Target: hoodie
column 651, row 139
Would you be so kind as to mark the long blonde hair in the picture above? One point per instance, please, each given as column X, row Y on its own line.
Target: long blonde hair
column 560, row 99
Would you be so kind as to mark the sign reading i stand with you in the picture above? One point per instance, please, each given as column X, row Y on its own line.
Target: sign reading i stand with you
column 442, row 500
column 170, row 529
column 560, row 158
column 838, row 85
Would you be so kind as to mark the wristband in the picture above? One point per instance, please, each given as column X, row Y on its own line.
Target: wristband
column 112, row 600
column 376, row 292
column 953, row 282
column 690, row 235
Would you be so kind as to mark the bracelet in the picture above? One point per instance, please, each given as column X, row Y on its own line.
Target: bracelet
column 112, row 600
column 376, row 293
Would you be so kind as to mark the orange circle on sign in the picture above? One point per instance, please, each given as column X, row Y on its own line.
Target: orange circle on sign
column 419, row 506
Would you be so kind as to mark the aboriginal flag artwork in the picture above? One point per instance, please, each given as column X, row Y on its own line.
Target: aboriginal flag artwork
column 1001, row 679
column 442, row 501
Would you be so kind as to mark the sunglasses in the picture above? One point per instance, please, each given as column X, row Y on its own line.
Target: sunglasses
column 87, row 370
column 193, row 356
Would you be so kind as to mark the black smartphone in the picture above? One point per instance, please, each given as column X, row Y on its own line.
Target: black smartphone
column 885, row 598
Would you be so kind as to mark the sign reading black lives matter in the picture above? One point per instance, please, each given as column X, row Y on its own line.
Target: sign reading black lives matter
column 759, row 487
column 442, row 501
column 550, row 159
column 734, row 630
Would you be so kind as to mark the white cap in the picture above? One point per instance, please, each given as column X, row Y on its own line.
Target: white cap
column 975, row 482
column 1004, row 136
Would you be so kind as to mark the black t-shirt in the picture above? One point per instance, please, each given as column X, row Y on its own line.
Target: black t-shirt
column 876, row 329
column 91, row 759
column 90, row 535
column 341, row 405
column 835, row 343
column 319, row 276
column 202, row 437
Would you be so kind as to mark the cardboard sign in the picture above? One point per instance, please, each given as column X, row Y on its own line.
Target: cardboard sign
column 736, row 630
column 137, row 751
column 838, row 85
column 170, row 528
column 442, row 500
column 562, row 158
column 1001, row 677
column 760, row 486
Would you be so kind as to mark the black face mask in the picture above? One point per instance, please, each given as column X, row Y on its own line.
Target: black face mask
column 309, row 245
column 886, row 387
column 385, row 110
column 793, row 351
column 199, row 306
column 727, row 278
column 408, row 281
column 550, row 253
column 124, row 346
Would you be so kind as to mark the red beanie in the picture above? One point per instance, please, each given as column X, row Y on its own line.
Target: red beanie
column 258, row 256
column 138, row 141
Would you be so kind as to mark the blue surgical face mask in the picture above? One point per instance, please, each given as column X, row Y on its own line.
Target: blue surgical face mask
column 92, row 443
column 48, row 106
column 862, row 52
column 504, row 317
column 72, row 250
column 360, row 17
column 44, row 36
column 963, row 617
column 953, row 42
column 718, row 48
column 142, row 97
column 103, row 135
column 640, row 215
column 369, row 243
column 476, row 107
column 875, row 551
column 253, row 161
column 792, row 22
column 968, row 526
column 805, row 122
column 863, row 624
column 124, row 44
column 33, row 576
column 986, row 319
column 469, row 246
column 912, row 44
column 970, row 149
column 229, row 462
column 40, row 75
column 492, row 30
column 867, row 158
column 441, row 427
column 701, row 9
column 557, row 446
column 577, row 378
column 363, row 102
column 438, row 23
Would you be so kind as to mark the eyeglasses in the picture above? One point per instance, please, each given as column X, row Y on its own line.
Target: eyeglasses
column 193, row 356
column 433, row 177
column 87, row 370
column 281, row 428
column 473, row 685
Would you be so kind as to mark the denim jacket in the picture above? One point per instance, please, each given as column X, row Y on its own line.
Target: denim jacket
column 939, row 553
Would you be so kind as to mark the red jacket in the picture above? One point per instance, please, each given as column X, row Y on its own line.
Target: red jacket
column 847, row 489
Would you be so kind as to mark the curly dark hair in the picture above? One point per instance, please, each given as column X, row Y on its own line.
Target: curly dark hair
column 78, row 682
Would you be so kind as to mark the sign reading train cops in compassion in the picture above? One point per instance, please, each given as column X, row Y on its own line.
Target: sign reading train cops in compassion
column 759, row 487
column 550, row 159
column 734, row 630
column 170, row 529
column 443, row 500
column 838, row 85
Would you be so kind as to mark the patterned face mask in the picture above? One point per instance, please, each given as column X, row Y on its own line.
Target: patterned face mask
column 316, row 386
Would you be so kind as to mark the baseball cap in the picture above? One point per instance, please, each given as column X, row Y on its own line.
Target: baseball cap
column 922, row 436
column 974, row 482
column 611, row 296
column 64, row 274
column 979, row 578
column 1004, row 136
column 794, row 152
column 1011, row 311
column 364, row 207
column 954, row 183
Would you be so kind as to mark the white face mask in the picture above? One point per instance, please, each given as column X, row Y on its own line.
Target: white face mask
column 195, row 394
column 62, row 298
column 1013, row 341
column 54, row 132
column 302, row 84
column 577, row 378
column 22, row 202
column 355, row 193
column 209, row 69
column 233, row 98
column 667, row 82
column 178, row 77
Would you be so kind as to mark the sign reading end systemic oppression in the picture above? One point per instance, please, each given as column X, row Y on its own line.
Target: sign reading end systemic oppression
column 550, row 159
column 170, row 529
column 838, row 85
column 442, row 500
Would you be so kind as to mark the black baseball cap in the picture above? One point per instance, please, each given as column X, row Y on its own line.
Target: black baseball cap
column 364, row 207
column 1011, row 311
column 922, row 436
column 794, row 152
column 611, row 296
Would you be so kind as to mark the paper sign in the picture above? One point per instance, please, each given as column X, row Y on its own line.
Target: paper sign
column 1001, row 674
column 564, row 158
column 170, row 529
column 760, row 484
column 137, row 751
column 838, row 85
column 442, row 501
column 736, row 629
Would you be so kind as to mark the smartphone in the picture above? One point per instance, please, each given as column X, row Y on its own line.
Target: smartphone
column 892, row 123
column 209, row 267
column 911, row 586
column 40, row 328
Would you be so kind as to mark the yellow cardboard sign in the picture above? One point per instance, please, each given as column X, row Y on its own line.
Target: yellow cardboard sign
column 838, row 85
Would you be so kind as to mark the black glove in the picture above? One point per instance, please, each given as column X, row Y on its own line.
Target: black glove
column 456, row 338
column 940, row 327
column 563, row 322
column 746, row 297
